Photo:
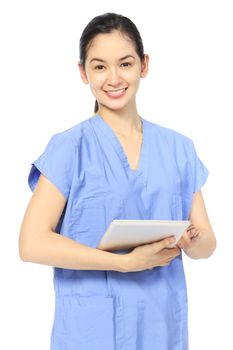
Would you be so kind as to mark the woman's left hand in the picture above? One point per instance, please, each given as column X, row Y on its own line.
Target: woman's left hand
column 189, row 239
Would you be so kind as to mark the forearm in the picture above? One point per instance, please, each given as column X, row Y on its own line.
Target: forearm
column 56, row 250
column 204, row 247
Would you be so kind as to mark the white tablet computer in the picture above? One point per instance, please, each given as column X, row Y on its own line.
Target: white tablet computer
column 125, row 234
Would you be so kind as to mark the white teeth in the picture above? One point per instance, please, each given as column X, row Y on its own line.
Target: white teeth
column 115, row 92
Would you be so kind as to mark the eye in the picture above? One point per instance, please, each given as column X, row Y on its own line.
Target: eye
column 126, row 64
column 99, row 67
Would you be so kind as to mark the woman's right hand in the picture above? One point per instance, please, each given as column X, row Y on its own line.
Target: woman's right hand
column 151, row 255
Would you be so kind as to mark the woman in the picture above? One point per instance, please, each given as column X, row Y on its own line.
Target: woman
column 115, row 165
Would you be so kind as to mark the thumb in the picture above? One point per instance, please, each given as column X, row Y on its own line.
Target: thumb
column 165, row 243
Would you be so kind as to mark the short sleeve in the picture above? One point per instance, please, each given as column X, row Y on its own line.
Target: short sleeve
column 197, row 173
column 56, row 163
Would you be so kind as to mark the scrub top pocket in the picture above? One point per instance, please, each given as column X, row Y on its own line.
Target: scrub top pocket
column 83, row 323
column 92, row 216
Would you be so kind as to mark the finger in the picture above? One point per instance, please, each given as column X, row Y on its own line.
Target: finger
column 184, row 242
column 165, row 243
column 196, row 237
column 189, row 227
column 165, row 263
column 170, row 253
column 191, row 233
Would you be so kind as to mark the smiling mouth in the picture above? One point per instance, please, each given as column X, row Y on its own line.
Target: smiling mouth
column 116, row 93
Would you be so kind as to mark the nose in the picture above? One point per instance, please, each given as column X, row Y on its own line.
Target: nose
column 114, row 78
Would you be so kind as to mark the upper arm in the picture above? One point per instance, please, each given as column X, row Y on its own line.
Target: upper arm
column 42, row 213
column 198, row 214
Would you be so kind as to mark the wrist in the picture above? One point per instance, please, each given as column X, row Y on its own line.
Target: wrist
column 124, row 262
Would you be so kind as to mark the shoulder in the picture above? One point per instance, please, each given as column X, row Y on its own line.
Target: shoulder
column 170, row 136
column 73, row 135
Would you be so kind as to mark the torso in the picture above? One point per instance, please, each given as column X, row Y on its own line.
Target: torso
column 103, row 189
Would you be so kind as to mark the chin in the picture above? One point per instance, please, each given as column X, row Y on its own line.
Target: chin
column 117, row 106
column 114, row 109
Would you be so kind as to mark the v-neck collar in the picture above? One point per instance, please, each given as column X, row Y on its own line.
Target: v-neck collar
column 108, row 131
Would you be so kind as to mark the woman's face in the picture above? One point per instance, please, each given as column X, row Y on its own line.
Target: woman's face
column 113, row 69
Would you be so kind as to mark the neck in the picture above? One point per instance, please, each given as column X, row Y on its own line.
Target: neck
column 124, row 123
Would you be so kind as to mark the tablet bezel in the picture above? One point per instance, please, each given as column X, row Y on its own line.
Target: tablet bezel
column 127, row 234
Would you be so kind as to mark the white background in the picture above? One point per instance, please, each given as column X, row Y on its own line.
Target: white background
column 189, row 88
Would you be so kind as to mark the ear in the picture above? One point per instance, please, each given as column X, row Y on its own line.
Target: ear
column 83, row 73
column 145, row 66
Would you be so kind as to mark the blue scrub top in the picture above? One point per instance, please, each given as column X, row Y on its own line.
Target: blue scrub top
column 110, row 310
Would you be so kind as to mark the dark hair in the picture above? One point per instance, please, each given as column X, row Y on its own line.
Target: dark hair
column 107, row 23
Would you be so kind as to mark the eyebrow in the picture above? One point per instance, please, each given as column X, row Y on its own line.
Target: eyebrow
column 120, row 59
